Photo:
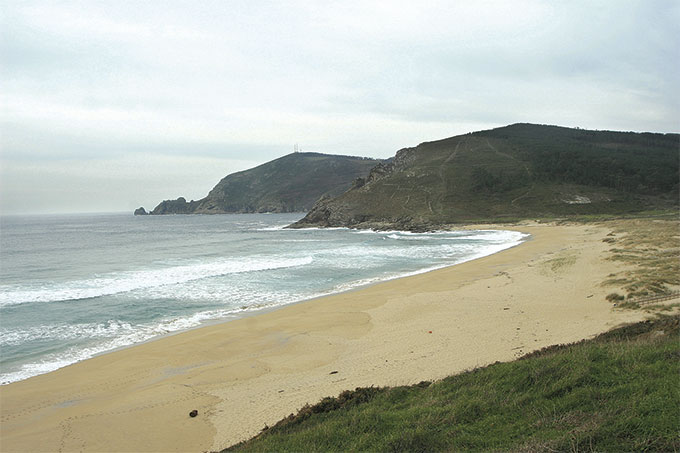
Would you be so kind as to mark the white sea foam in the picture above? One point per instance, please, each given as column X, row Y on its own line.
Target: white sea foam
column 112, row 328
column 112, row 335
column 134, row 280
column 480, row 251
column 321, row 229
column 272, row 228
column 181, row 292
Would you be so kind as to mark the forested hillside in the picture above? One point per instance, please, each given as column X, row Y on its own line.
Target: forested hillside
column 518, row 171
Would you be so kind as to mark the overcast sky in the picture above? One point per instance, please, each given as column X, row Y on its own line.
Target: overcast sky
column 111, row 105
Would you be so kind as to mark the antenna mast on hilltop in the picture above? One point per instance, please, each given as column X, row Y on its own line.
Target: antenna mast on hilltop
column 296, row 148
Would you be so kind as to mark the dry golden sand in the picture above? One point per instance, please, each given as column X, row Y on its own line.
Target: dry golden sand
column 244, row 374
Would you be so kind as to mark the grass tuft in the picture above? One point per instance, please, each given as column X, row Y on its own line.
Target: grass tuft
column 614, row 297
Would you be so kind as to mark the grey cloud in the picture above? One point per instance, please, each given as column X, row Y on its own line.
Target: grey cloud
column 23, row 143
column 87, row 81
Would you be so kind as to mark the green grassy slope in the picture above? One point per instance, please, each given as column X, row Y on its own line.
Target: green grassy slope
column 617, row 392
column 518, row 171
column 292, row 183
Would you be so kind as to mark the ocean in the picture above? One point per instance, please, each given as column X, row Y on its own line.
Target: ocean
column 74, row 286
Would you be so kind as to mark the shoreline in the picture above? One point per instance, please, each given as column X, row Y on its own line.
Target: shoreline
column 237, row 313
column 244, row 373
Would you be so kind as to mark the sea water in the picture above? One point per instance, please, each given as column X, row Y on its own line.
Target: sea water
column 73, row 286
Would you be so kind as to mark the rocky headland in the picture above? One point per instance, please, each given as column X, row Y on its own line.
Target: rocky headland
column 292, row 183
column 521, row 171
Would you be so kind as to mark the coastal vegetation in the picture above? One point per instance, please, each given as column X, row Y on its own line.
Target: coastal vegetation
column 650, row 251
column 515, row 172
column 292, row 183
column 631, row 162
column 522, row 171
column 616, row 392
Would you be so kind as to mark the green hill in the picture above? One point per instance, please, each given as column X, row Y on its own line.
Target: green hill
column 617, row 392
column 518, row 171
column 292, row 183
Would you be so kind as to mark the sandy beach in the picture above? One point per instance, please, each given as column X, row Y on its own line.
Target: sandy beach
column 245, row 374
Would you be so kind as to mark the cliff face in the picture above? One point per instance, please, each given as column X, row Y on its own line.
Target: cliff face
column 292, row 183
column 518, row 171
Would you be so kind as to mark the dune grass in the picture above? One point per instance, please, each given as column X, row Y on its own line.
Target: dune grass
column 651, row 249
column 617, row 392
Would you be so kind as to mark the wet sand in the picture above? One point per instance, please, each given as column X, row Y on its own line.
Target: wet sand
column 245, row 374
